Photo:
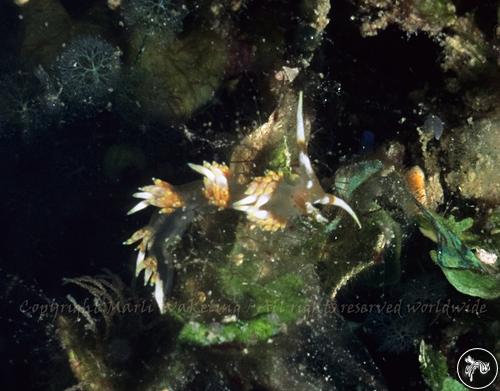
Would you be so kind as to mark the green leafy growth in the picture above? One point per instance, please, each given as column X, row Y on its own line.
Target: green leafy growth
column 494, row 217
column 486, row 286
column 280, row 159
column 437, row 12
column 248, row 332
column 435, row 370
column 349, row 178
column 459, row 228
column 270, row 307
column 447, row 233
column 457, row 261
column 271, row 293
column 282, row 296
column 282, row 293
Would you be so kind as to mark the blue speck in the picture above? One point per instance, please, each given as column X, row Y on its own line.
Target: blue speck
column 433, row 125
column 367, row 141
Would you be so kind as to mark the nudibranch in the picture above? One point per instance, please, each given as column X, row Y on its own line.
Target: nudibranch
column 269, row 202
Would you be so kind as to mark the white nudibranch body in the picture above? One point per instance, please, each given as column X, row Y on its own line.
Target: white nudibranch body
column 268, row 202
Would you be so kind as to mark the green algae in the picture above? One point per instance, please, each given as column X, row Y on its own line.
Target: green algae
column 471, row 283
column 458, row 262
column 349, row 178
column 452, row 252
column 248, row 332
column 435, row 370
column 280, row 159
column 438, row 12
column 269, row 294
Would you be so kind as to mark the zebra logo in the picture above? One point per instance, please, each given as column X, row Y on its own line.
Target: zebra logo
column 484, row 367
column 477, row 368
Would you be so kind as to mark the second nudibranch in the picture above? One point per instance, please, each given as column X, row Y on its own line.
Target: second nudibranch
column 268, row 201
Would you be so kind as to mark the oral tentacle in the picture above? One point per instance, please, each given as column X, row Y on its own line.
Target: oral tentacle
column 304, row 161
column 336, row 201
column 301, row 137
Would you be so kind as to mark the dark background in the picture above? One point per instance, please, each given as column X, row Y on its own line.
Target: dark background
column 63, row 217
